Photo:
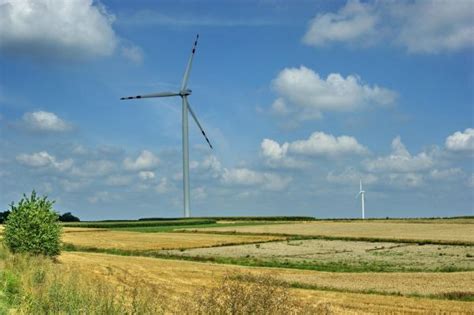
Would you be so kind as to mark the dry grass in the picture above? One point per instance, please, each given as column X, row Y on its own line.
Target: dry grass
column 180, row 279
column 362, row 255
column 369, row 229
column 154, row 241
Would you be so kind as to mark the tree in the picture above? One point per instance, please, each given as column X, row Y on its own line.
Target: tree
column 68, row 217
column 4, row 216
column 32, row 227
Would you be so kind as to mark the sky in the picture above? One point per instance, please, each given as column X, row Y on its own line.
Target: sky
column 300, row 99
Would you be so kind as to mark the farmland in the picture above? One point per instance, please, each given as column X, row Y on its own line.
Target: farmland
column 349, row 267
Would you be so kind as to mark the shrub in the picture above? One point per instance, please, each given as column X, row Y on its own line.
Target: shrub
column 32, row 227
column 242, row 293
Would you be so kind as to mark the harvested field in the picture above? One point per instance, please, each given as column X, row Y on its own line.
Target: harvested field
column 180, row 278
column 110, row 239
column 354, row 255
column 447, row 232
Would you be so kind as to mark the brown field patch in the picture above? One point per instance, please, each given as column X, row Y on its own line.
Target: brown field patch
column 449, row 232
column 154, row 241
column 181, row 278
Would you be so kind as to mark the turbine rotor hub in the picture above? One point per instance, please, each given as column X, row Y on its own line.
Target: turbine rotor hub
column 185, row 92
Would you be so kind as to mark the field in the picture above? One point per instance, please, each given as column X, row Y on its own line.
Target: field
column 400, row 230
column 339, row 267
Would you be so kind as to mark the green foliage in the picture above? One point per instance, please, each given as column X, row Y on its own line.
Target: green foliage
column 127, row 224
column 68, row 217
column 32, row 227
column 248, row 218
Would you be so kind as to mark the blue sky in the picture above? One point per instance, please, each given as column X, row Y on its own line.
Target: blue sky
column 300, row 99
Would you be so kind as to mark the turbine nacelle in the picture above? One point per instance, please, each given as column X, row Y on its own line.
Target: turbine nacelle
column 185, row 92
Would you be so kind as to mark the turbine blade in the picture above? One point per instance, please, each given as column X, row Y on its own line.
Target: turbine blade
column 358, row 195
column 197, row 122
column 162, row 94
column 190, row 63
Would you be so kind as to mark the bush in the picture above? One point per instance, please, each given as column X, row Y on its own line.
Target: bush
column 242, row 293
column 68, row 217
column 32, row 227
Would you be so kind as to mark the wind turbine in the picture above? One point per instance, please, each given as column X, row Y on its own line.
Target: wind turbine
column 184, row 92
column 362, row 198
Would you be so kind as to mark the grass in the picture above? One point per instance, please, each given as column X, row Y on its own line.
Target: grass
column 126, row 224
column 172, row 228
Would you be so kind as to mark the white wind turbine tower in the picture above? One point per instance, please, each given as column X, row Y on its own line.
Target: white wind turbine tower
column 362, row 199
column 183, row 93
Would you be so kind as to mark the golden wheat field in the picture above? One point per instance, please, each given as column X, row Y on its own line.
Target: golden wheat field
column 449, row 232
column 110, row 239
column 181, row 278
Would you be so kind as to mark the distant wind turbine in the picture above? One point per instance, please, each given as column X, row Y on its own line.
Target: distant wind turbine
column 362, row 199
column 183, row 93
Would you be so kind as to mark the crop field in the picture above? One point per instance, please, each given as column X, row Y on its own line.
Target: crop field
column 111, row 239
column 436, row 232
column 181, row 278
column 346, row 267
column 351, row 256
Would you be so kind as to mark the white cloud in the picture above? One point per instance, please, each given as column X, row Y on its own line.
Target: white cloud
column 45, row 121
column 199, row 193
column 144, row 162
column 400, row 160
column 461, row 141
column 354, row 21
column 247, row 177
column 420, row 26
column 435, row 26
column 351, row 176
column 406, row 180
column 133, row 53
column 320, row 143
column 275, row 155
column 447, row 174
column 44, row 159
column 73, row 29
column 303, row 92
column 146, row 175
column 102, row 197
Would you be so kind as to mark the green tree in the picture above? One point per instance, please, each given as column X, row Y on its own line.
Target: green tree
column 32, row 227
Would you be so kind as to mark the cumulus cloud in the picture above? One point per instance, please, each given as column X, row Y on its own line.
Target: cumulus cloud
column 303, row 92
column 73, row 29
column 435, row 26
column 354, row 21
column 45, row 121
column 163, row 186
column 400, row 160
column 118, row 180
column 44, row 159
column 248, row 177
column 320, row 143
column 144, row 162
column 275, row 155
column 461, row 141
column 419, row 26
